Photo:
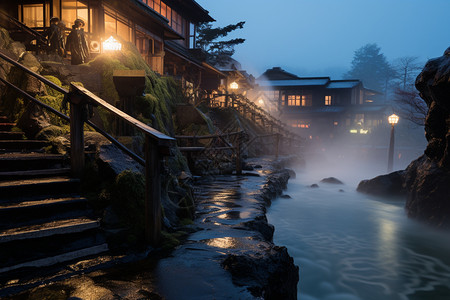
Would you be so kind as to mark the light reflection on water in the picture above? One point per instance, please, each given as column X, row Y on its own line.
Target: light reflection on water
column 349, row 246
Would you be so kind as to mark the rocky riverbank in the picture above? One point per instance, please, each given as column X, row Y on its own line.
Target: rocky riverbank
column 229, row 255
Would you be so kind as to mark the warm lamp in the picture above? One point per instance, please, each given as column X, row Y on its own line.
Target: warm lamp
column 111, row 44
column 393, row 119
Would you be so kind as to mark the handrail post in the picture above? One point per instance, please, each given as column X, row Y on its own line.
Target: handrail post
column 238, row 155
column 153, row 215
column 277, row 144
column 76, row 136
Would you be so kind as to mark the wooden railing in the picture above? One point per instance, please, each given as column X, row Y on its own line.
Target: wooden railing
column 250, row 110
column 223, row 138
column 157, row 144
column 41, row 41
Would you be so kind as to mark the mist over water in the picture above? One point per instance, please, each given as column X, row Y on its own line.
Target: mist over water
column 353, row 246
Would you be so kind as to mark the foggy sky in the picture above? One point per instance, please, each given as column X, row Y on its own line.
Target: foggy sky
column 319, row 37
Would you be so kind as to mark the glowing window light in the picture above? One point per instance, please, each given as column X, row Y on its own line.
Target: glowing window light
column 234, row 85
column 393, row 119
column 353, row 131
column 363, row 131
column 111, row 44
column 261, row 102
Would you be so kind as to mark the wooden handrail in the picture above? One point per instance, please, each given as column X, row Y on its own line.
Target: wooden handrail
column 39, row 37
column 29, row 97
column 156, row 144
column 34, row 74
column 163, row 140
column 201, row 137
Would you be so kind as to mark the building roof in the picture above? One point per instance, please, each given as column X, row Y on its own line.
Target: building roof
column 192, row 9
column 179, row 50
column 343, row 84
column 307, row 81
column 277, row 73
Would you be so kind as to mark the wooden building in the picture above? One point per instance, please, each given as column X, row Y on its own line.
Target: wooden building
column 162, row 30
column 318, row 107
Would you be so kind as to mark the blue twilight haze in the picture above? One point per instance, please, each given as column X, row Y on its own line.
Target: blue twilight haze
column 319, row 37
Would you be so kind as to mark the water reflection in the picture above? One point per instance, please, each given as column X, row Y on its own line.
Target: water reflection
column 228, row 242
column 350, row 247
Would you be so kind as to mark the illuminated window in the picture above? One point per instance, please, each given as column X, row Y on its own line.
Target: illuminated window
column 157, row 6
column 72, row 10
column 327, row 100
column 299, row 100
column 336, row 123
column 117, row 25
column 294, row 100
column 33, row 15
column 283, row 100
column 304, row 124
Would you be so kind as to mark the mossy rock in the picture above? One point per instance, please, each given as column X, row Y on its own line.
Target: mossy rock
column 127, row 197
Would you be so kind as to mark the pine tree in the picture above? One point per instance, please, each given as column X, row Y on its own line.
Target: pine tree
column 218, row 51
column 371, row 67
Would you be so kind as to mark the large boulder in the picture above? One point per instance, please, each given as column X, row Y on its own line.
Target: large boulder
column 384, row 185
column 428, row 178
column 271, row 274
column 33, row 120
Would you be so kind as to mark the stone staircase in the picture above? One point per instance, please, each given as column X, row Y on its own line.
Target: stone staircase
column 43, row 219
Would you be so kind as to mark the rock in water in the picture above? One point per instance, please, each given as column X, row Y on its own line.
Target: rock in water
column 384, row 185
column 331, row 180
column 427, row 179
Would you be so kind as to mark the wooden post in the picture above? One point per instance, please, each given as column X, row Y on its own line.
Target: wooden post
column 153, row 215
column 76, row 137
column 277, row 144
column 238, row 155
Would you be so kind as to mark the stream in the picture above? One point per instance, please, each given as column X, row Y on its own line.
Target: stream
column 353, row 246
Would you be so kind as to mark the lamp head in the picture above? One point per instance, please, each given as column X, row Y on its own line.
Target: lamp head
column 393, row 119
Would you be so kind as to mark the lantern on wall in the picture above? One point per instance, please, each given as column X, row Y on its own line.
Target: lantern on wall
column 234, row 85
column 111, row 44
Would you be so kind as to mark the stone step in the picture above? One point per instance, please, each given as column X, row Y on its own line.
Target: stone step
column 30, row 161
column 19, row 214
column 21, row 145
column 8, row 175
column 59, row 227
column 8, row 135
column 4, row 126
column 53, row 260
column 29, row 243
column 4, row 119
column 39, row 187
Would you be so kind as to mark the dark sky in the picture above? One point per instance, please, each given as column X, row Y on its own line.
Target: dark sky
column 319, row 37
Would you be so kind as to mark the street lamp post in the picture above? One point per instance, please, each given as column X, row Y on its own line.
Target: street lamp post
column 392, row 119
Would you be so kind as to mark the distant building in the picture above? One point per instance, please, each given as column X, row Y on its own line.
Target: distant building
column 162, row 30
column 318, row 107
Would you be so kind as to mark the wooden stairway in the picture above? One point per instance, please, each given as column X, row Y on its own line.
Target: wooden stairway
column 43, row 219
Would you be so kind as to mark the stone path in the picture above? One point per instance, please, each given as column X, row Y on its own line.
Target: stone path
column 227, row 206
column 194, row 271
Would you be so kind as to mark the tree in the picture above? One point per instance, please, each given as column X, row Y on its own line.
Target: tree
column 407, row 69
column 411, row 106
column 371, row 67
column 218, row 52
